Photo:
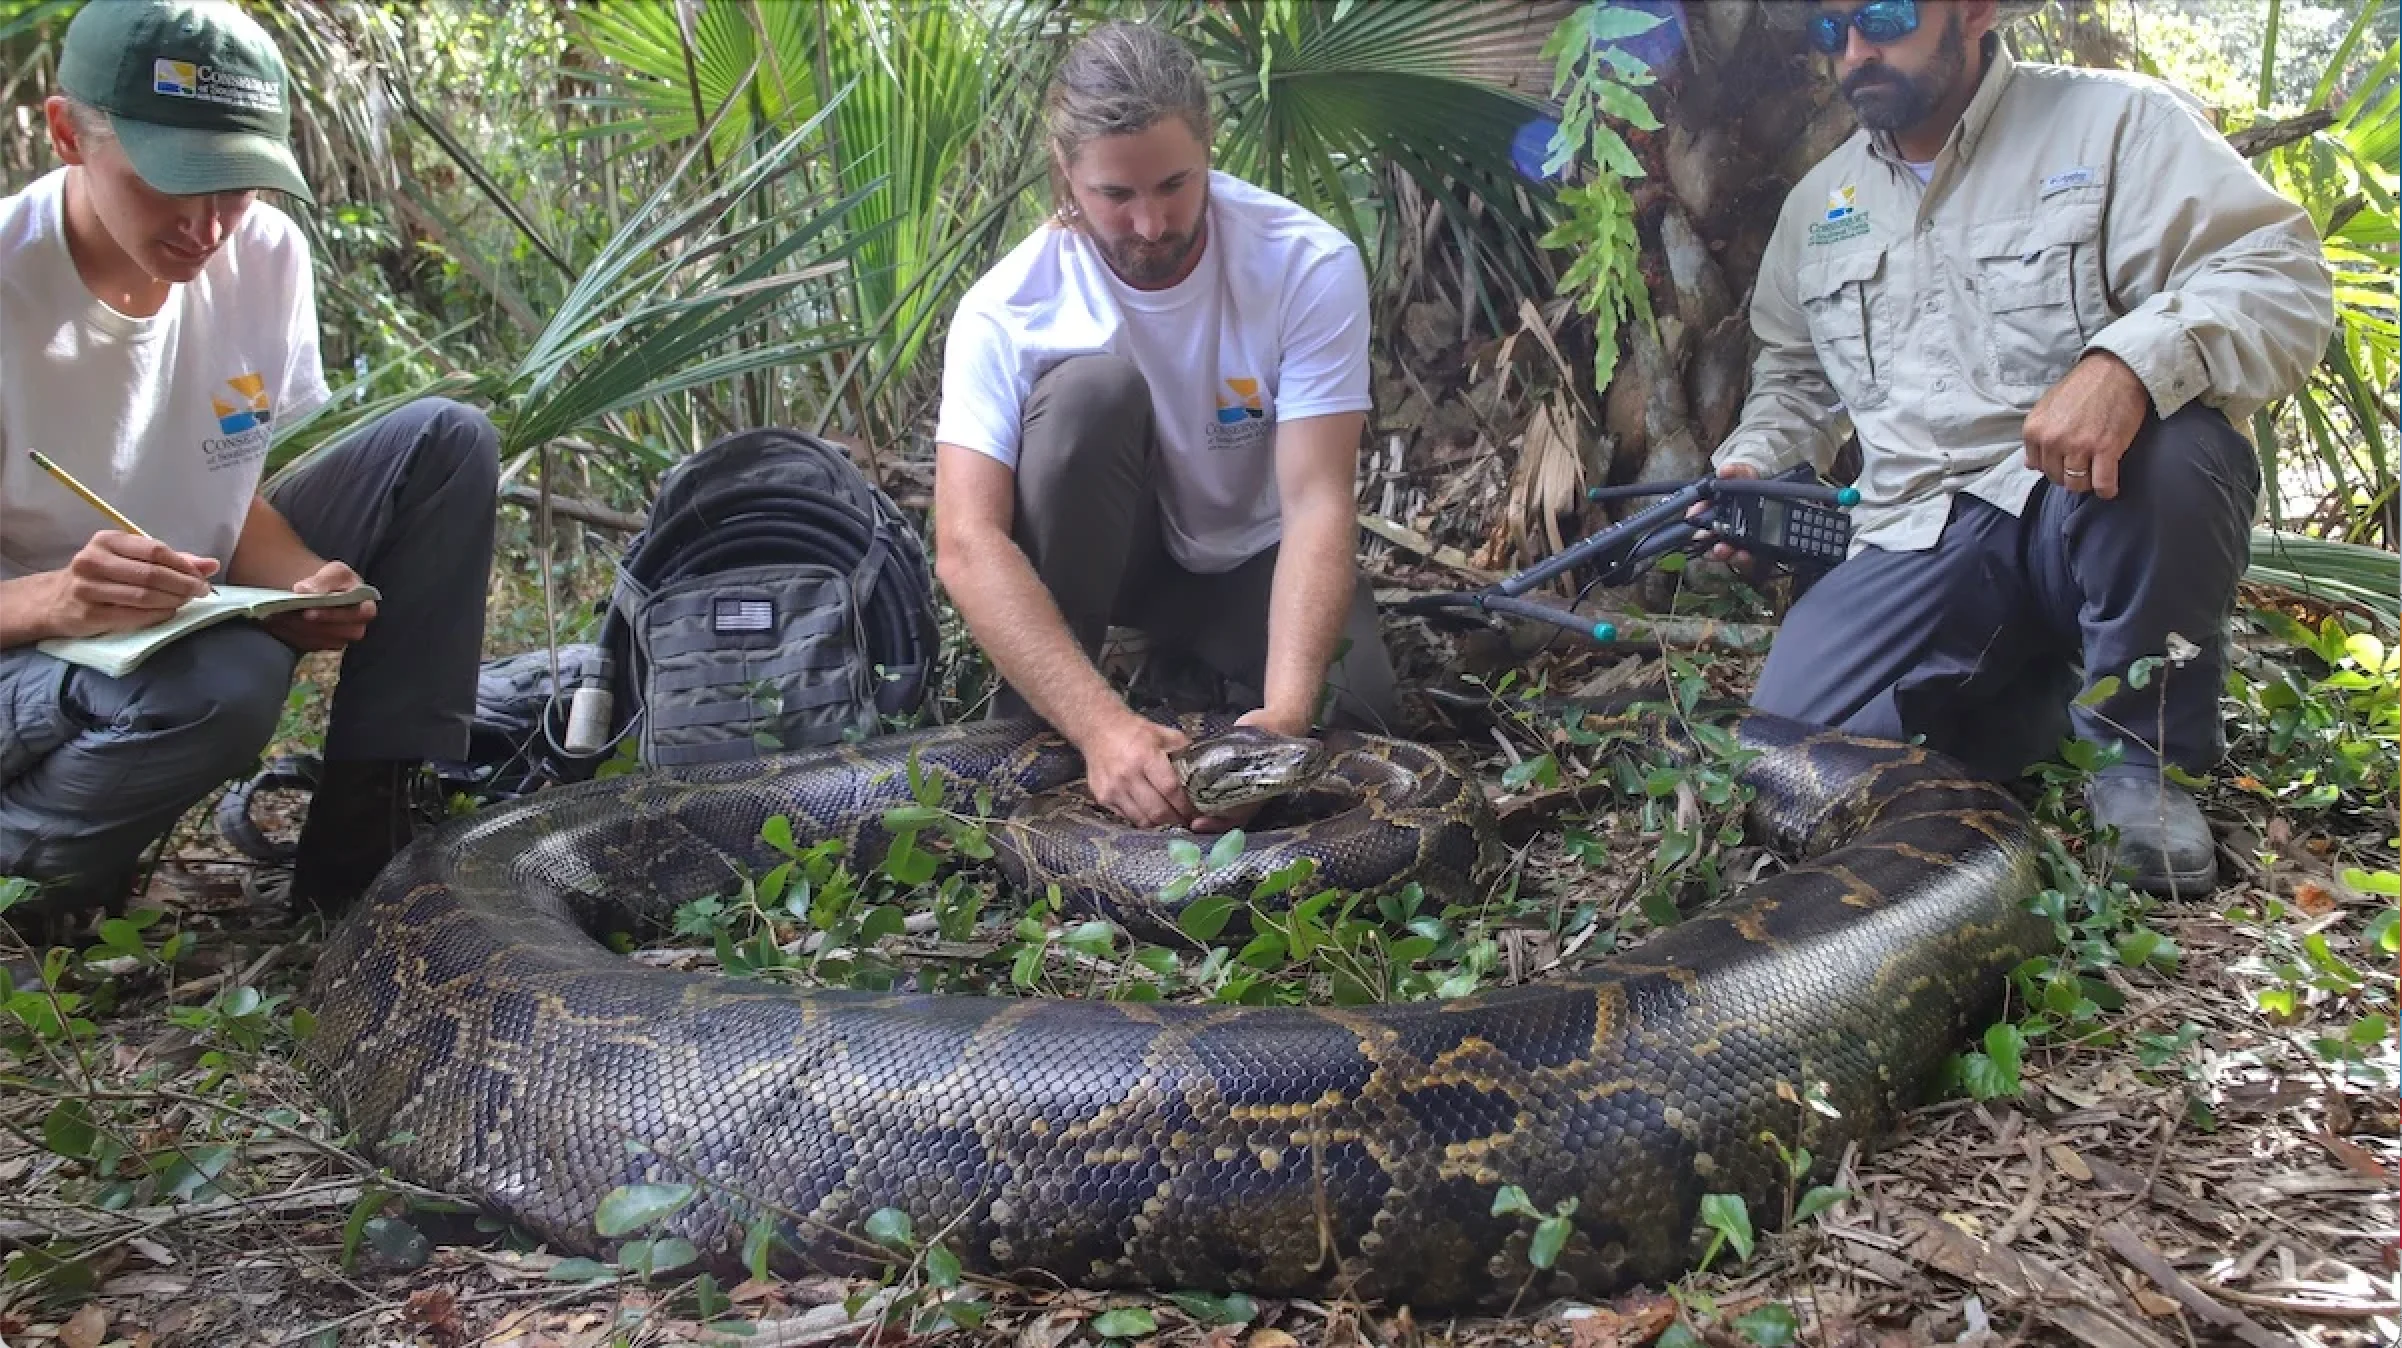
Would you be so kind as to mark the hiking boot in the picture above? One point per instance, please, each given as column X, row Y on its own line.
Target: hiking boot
column 359, row 817
column 2164, row 845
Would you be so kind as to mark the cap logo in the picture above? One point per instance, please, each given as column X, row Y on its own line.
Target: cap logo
column 208, row 84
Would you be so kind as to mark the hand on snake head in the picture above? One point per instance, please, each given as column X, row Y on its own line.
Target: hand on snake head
column 1126, row 766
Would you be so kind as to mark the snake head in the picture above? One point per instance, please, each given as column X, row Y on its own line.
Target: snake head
column 1244, row 766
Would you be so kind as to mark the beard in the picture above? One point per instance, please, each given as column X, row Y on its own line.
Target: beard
column 1143, row 262
column 1884, row 99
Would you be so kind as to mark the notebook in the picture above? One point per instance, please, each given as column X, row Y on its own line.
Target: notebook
column 120, row 653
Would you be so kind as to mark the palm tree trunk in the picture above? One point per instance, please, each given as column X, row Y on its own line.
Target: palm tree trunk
column 1743, row 116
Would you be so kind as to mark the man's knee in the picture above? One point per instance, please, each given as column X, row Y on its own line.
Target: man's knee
column 455, row 441
column 2191, row 467
column 1086, row 406
column 219, row 693
column 450, row 441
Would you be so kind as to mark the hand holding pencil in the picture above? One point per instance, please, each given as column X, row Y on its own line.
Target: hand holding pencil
column 122, row 579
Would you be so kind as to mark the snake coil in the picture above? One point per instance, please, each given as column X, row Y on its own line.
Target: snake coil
column 480, row 1039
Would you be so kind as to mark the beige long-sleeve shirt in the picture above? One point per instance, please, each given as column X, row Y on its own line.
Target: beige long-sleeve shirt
column 2071, row 211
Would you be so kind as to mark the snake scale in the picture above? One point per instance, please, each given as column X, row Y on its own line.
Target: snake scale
column 481, row 1041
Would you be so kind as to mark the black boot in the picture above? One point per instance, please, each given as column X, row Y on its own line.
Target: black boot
column 359, row 817
column 2164, row 844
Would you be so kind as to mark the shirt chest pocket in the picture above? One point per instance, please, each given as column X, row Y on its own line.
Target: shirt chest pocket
column 1839, row 299
column 2039, row 280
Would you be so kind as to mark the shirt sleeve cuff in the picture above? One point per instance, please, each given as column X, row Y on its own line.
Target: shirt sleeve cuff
column 1752, row 454
column 2157, row 348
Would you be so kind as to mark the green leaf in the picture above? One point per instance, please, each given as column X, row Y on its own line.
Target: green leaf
column 652, row 1257
column 578, row 1269
column 1729, row 1216
column 1185, row 852
column 891, row 1227
column 1094, row 938
column 369, row 1205
column 2382, row 931
column 1551, row 1236
column 2005, row 1045
column 1511, row 1201
column 1232, row 1309
column 1770, row 1326
column 1609, row 23
column 67, row 1130
column 1284, row 877
column 1542, row 769
column 2386, row 883
column 777, row 833
column 883, row 920
column 1125, row 1322
column 758, row 1242
column 398, row 1243
column 635, row 1207
column 1678, row 1336
column 1817, row 1201
column 911, row 817
column 1203, row 919
column 1226, row 849
column 942, row 1267
column 2103, row 689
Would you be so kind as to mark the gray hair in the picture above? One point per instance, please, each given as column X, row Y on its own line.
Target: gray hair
column 1120, row 79
column 91, row 124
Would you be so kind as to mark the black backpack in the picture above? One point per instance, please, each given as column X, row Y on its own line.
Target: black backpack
column 777, row 600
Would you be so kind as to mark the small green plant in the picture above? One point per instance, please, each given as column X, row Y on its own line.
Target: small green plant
column 1596, row 79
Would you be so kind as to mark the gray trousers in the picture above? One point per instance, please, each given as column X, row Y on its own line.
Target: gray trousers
column 93, row 769
column 1982, row 642
column 1088, row 519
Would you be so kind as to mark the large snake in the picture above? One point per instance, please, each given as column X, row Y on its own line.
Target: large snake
column 481, row 1040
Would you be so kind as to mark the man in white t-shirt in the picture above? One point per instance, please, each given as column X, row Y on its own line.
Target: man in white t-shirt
column 155, row 322
column 1151, row 415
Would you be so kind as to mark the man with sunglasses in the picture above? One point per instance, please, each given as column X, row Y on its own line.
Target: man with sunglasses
column 2048, row 300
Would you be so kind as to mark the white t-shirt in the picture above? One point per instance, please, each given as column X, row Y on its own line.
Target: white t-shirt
column 1271, row 325
column 166, row 417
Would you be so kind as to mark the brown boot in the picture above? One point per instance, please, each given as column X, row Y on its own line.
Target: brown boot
column 359, row 816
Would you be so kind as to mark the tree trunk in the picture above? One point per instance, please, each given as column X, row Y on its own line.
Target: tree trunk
column 1743, row 116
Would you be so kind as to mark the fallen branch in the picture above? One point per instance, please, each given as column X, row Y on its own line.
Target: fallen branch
column 1401, row 535
column 598, row 516
column 2152, row 1264
column 2254, row 141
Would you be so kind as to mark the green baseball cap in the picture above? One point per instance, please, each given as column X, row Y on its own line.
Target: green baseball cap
column 194, row 90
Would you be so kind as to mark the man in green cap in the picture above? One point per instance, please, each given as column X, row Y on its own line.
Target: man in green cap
column 156, row 321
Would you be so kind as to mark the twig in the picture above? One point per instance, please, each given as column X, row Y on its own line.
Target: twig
column 2130, row 1247
column 587, row 512
column 2334, row 1310
column 1401, row 535
column 557, row 1297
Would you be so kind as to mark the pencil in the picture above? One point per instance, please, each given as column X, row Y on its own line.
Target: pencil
column 90, row 497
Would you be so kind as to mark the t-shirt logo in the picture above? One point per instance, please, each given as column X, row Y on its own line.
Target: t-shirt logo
column 242, row 404
column 1243, row 406
column 1241, row 425
column 1842, row 201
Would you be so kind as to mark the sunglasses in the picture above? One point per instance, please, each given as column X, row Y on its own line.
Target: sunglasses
column 1880, row 22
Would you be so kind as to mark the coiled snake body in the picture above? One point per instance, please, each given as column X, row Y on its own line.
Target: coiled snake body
column 481, row 1041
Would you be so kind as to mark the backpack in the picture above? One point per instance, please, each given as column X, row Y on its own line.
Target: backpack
column 776, row 600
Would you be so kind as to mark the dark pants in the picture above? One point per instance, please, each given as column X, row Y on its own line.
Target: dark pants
column 93, row 769
column 1982, row 643
column 1088, row 519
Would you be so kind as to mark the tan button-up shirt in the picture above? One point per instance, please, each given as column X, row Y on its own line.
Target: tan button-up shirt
column 2071, row 211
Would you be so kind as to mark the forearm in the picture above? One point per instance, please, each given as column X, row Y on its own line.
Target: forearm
column 27, row 610
column 269, row 553
column 1013, row 617
column 1311, row 597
